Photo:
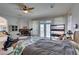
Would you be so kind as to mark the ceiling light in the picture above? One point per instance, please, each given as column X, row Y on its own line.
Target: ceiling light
column 25, row 11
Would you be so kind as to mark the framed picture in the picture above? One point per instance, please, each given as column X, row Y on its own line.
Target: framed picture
column 13, row 28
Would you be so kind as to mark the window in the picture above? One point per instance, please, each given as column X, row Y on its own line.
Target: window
column 3, row 24
column 13, row 28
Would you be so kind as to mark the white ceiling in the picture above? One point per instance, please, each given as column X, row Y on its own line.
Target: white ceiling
column 41, row 10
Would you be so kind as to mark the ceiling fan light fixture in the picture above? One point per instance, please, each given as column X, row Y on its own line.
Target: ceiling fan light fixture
column 25, row 11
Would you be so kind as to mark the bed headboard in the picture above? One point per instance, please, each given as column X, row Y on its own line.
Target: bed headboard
column 76, row 36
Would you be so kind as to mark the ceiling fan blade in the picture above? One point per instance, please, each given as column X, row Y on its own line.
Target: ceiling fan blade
column 24, row 7
column 30, row 8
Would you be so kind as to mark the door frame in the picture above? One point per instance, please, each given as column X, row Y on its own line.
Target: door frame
column 44, row 28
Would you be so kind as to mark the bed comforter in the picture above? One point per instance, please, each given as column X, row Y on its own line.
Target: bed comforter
column 50, row 47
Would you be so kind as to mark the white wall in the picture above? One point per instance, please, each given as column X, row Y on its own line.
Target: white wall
column 59, row 20
column 23, row 22
column 75, row 16
column 35, row 25
column 20, row 22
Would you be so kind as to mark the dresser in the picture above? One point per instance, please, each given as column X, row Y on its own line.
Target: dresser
column 76, row 36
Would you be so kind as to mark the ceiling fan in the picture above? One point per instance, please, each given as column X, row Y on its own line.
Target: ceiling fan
column 25, row 8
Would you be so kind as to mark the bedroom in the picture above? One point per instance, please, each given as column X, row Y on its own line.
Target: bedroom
column 31, row 22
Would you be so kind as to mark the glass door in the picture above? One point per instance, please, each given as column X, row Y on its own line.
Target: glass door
column 48, row 30
column 42, row 34
column 45, row 30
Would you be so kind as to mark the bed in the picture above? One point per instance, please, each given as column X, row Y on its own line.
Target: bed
column 50, row 47
column 44, row 46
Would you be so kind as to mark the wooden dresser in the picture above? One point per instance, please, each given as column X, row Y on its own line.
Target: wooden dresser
column 76, row 36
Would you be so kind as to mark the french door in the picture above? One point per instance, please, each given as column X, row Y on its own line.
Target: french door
column 45, row 30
